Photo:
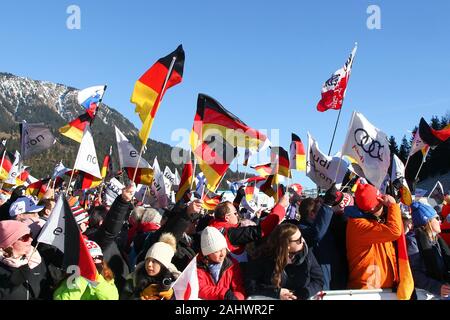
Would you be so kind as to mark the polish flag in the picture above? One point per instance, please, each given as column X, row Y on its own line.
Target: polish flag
column 186, row 286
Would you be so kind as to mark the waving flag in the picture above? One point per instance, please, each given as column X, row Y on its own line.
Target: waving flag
column 333, row 90
column 406, row 284
column 90, row 98
column 426, row 137
column 61, row 231
column 297, row 154
column 211, row 200
column 369, row 146
column 148, row 90
column 280, row 158
column 398, row 176
column 264, row 170
column 185, row 180
column 15, row 170
column 186, row 286
column 75, row 129
column 38, row 188
column 86, row 160
column 35, row 138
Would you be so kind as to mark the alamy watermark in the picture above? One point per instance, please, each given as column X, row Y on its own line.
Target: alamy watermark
column 374, row 20
column 73, row 21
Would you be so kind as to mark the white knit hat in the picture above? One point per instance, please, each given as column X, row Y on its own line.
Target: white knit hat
column 163, row 250
column 212, row 240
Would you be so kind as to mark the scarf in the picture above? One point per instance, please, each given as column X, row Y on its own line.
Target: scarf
column 14, row 262
column 214, row 269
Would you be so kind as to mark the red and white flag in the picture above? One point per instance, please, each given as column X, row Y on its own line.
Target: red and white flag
column 186, row 286
column 333, row 90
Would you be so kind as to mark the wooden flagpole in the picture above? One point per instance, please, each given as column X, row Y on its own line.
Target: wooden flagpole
column 169, row 73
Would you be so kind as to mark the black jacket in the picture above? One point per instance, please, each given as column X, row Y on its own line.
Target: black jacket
column 303, row 276
column 106, row 236
column 25, row 284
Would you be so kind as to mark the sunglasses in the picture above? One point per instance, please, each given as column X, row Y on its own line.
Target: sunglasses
column 25, row 238
column 298, row 241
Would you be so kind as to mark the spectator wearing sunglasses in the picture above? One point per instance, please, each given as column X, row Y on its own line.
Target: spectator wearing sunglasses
column 23, row 272
column 374, row 223
column 284, row 267
column 81, row 289
column 429, row 255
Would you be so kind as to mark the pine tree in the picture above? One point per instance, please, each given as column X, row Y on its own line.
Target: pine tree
column 404, row 149
column 393, row 145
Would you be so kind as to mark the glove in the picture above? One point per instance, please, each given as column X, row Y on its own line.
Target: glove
column 166, row 295
column 150, row 292
column 333, row 196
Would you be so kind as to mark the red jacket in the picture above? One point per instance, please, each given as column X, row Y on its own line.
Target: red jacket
column 230, row 282
column 237, row 237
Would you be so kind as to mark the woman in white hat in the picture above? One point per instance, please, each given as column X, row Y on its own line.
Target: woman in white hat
column 219, row 275
column 153, row 277
column 78, row 288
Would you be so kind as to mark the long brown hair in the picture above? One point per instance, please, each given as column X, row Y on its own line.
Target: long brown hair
column 276, row 247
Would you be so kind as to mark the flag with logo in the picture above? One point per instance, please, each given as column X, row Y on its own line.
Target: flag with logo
column 86, row 160
column 35, row 138
column 15, row 170
column 128, row 159
column 186, row 286
column 369, row 146
column 333, row 90
column 148, row 90
column 61, row 231
column 321, row 169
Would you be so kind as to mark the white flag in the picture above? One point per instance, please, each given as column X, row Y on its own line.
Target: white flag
column 90, row 97
column 186, row 286
column 321, row 169
column 128, row 155
column 169, row 179
column 369, row 146
column 59, row 170
column 417, row 144
column 15, row 170
column 437, row 194
column 177, row 178
column 87, row 157
column 53, row 231
column 158, row 195
column 113, row 190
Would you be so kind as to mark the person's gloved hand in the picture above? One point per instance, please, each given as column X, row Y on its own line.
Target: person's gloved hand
column 333, row 196
column 166, row 295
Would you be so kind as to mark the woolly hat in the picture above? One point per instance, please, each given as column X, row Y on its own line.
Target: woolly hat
column 24, row 205
column 11, row 231
column 366, row 197
column 212, row 240
column 78, row 211
column 422, row 213
column 94, row 248
column 164, row 250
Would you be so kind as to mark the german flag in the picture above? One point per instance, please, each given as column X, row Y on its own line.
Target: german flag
column 268, row 186
column 297, row 153
column 264, row 170
column 249, row 192
column 147, row 93
column 23, row 176
column 185, row 180
column 211, row 200
column 107, row 169
column 143, row 175
column 38, row 188
column 88, row 181
column 431, row 136
column 211, row 117
column 75, row 129
column 280, row 158
column 6, row 164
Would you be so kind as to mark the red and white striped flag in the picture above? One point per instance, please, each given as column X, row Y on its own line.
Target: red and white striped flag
column 186, row 286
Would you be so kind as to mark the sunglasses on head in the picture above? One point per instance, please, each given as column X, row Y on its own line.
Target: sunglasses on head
column 25, row 238
column 298, row 241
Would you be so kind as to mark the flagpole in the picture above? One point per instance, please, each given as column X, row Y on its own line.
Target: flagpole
column 70, row 181
column 334, row 132
column 193, row 177
column 3, row 158
column 169, row 73
column 245, row 173
column 423, row 161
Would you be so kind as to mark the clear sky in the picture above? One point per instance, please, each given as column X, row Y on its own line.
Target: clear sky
column 263, row 60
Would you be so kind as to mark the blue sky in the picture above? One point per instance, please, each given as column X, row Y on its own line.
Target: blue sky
column 263, row 60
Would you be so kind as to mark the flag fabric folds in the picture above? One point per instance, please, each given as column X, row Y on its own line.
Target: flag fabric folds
column 75, row 129
column 147, row 93
column 426, row 137
column 34, row 138
column 211, row 200
column 61, row 231
column 406, row 282
column 369, row 146
column 186, row 286
column 264, row 170
column 333, row 90
column 86, row 160
column 38, row 188
column 297, row 158
column 185, row 180
column 90, row 98
column 14, row 172
column 280, row 158
column 398, row 177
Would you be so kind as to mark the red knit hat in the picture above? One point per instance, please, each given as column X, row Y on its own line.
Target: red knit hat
column 366, row 197
column 11, row 231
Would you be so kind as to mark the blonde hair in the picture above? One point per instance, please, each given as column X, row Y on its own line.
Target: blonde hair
column 428, row 228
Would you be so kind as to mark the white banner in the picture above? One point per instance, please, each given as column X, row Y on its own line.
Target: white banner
column 35, row 138
column 369, row 146
column 87, row 160
column 128, row 155
column 321, row 169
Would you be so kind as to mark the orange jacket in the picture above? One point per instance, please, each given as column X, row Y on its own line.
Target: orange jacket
column 370, row 252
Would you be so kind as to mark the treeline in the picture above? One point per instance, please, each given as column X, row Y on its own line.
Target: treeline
column 437, row 161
